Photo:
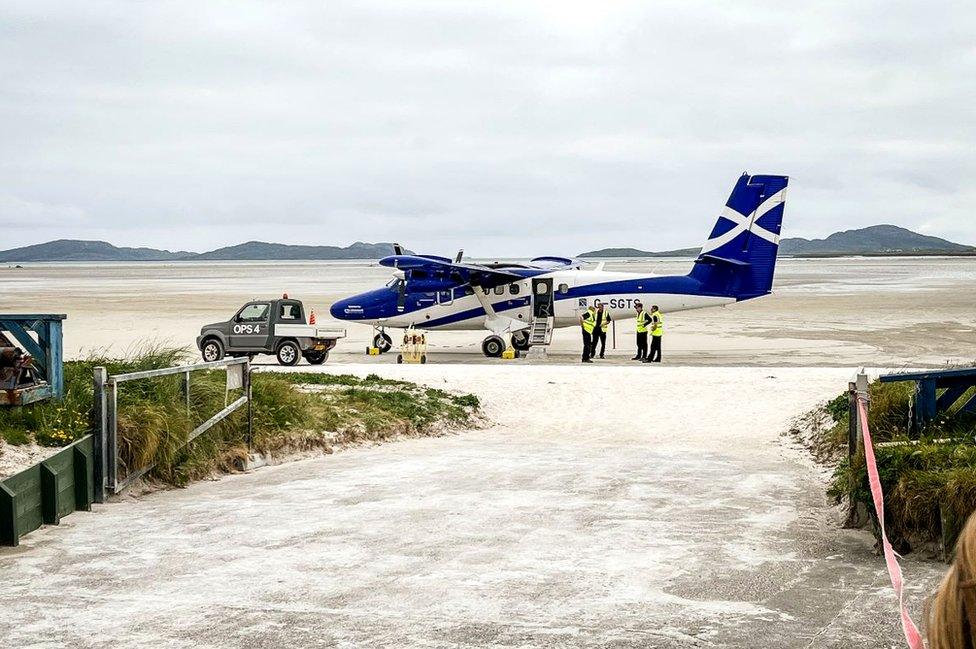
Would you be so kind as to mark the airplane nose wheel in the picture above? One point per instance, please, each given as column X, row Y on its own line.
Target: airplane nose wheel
column 382, row 342
column 493, row 346
column 520, row 340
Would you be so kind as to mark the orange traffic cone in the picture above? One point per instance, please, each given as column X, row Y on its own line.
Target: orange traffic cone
column 311, row 318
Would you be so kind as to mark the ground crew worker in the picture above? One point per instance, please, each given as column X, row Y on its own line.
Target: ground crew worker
column 587, row 323
column 600, row 329
column 657, row 332
column 643, row 319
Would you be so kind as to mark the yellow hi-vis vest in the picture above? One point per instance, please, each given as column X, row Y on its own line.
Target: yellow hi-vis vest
column 589, row 320
column 642, row 320
column 605, row 323
column 658, row 327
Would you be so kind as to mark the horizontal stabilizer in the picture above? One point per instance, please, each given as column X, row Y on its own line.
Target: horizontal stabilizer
column 723, row 260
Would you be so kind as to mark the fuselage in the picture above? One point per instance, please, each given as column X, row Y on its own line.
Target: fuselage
column 573, row 290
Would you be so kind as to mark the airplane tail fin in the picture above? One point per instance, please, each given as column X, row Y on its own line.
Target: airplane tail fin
column 739, row 257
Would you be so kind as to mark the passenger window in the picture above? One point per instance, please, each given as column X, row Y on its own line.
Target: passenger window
column 541, row 288
column 254, row 312
column 563, row 289
column 513, row 289
column 499, row 290
column 289, row 312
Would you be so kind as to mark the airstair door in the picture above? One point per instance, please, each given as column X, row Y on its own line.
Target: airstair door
column 542, row 301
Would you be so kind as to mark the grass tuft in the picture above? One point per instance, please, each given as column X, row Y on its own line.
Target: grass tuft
column 929, row 481
column 292, row 411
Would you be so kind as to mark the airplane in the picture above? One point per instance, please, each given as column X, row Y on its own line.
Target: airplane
column 523, row 302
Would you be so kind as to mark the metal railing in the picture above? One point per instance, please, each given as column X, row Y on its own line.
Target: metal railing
column 106, row 416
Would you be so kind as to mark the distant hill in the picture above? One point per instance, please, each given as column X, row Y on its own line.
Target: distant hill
column 877, row 239
column 73, row 250
column 634, row 252
column 873, row 240
column 263, row 250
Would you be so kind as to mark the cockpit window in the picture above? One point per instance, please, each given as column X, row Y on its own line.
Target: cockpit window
column 394, row 283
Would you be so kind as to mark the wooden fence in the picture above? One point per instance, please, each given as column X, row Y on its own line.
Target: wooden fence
column 47, row 491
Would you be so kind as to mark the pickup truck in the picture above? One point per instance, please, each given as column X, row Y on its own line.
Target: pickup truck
column 274, row 327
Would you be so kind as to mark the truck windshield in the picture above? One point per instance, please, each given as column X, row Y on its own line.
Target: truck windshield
column 254, row 312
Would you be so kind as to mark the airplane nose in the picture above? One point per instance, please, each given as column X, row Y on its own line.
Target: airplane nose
column 338, row 310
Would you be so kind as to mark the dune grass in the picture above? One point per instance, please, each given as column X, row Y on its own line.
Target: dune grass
column 296, row 411
column 929, row 478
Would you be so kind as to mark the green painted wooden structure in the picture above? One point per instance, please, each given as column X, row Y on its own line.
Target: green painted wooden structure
column 47, row 491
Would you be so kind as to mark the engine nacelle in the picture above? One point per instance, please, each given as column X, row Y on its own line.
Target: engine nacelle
column 430, row 285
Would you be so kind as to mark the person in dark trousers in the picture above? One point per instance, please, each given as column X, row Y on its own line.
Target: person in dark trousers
column 587, row 322
column 657, row 332
column 643, row 319
column 600, row 326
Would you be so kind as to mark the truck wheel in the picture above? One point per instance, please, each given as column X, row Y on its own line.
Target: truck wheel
column 423, row 358
column 493, row 346
column 316, row 358
column 212, row 350
column 288, row 353
column 399, row 358
column 383, row 343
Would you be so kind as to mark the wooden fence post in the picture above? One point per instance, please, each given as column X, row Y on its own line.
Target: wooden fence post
column 9, row 531
column 49, row 495
column 851, row 419
column 100, row 459
column 80, row 463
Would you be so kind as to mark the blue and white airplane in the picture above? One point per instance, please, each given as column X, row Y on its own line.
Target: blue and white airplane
column 523, row 302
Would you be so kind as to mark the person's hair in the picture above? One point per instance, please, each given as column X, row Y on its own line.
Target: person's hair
column 653, row 307
column 951, row 614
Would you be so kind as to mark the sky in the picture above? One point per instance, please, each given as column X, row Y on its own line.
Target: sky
column 505, row 128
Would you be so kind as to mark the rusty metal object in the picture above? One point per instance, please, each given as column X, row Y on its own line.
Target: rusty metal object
column 15, row 369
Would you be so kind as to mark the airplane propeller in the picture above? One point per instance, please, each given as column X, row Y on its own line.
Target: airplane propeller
column 460, row 254
column 401, row 294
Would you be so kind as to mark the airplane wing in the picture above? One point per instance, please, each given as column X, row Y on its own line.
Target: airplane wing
column 556, row 262
column 429, row 267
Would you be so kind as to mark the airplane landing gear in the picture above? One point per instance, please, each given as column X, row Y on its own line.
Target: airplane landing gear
column 493, row 346
column 520, row 340
column 382, row 342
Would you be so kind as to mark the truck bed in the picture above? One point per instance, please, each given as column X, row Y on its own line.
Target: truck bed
column 309, row 331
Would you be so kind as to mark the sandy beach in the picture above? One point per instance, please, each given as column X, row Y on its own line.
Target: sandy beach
column 823, row 312
column 600, row 509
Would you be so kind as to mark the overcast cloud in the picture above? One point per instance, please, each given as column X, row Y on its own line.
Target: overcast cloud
column 506, row 128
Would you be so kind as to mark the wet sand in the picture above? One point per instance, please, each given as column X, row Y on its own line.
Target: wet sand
column 871, row 311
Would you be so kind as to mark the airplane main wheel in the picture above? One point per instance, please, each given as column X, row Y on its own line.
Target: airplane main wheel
column 493, row 346
column 520, row 341
column 383, row 343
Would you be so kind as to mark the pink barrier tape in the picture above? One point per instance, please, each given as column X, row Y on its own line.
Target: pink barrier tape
column 912, row 635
